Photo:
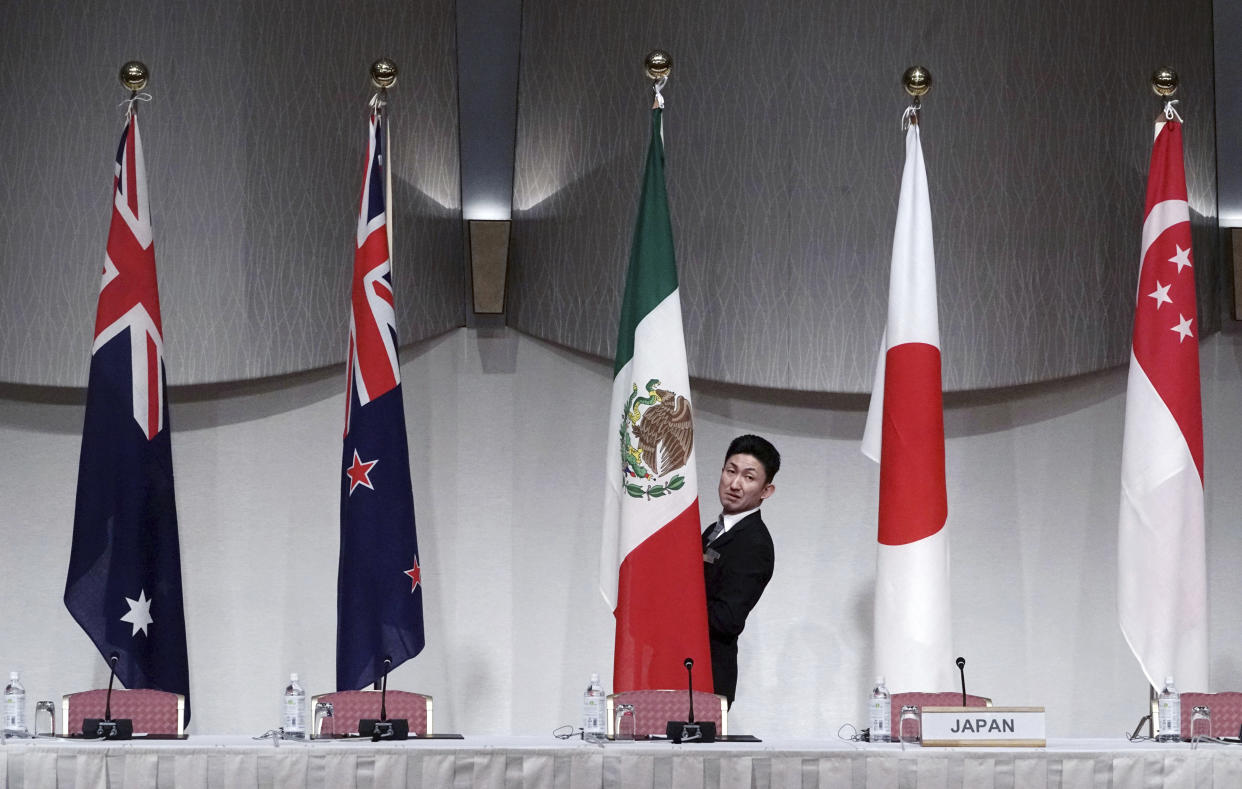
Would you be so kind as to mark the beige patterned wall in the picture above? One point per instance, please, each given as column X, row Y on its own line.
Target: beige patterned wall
column 784, row 155
column 254, row 141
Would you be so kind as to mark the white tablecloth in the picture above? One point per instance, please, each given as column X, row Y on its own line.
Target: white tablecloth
column 524, row 762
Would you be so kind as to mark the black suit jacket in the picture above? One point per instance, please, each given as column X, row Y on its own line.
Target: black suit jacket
column 734, row 578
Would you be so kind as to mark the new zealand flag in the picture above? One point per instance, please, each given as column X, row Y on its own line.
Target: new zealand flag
column 379, row 583
column 124, row 582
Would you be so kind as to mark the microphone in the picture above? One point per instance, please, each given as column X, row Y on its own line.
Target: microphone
column 111, row 676
column 689, row 664
column 961, row 667
column 107, row 728
column 689, row 731
column 384, row 690
column 384, row 729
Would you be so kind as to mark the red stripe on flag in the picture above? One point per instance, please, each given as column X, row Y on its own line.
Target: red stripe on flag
column 913, row 503
column 662, row 610
column 153, row 387
column 349, row 384
column 131, row 170
column 382, row 290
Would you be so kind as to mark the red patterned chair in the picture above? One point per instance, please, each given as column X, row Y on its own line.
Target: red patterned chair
column 152, row 711
column 653, row 709
column 921, row 700
column 1226, row 709
column 349, row 706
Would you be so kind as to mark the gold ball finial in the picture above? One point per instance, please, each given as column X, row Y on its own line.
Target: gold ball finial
column 917, row 81
column 1164, row 82
column 134, row 75
column 658, row 64
column 383, row 73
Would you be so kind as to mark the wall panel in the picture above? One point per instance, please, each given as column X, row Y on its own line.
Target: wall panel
column 255, row 140
column 784, row 156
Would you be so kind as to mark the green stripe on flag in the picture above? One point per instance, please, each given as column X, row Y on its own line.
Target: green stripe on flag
column 652, row 274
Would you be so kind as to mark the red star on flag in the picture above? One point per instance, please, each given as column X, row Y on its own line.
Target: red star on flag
column 359, row 473
column 416, row 575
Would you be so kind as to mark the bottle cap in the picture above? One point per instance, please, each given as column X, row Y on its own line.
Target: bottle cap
column 12, row 675
column 293, row 677
column 594, row 677
column 879, row 680
column 1168, row 680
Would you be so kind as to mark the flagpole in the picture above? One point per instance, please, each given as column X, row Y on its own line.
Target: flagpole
column 1164, row 83
column 904, row 433
column 125, row 542
column 383, row 77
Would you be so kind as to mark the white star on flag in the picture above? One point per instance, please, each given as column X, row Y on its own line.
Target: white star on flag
column 139, row 613
column 1161, row 294
column 1182, row 258
column 1182, row 328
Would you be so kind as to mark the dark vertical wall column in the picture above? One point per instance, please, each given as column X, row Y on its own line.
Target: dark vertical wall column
column 1228, row 34
column 488, row 40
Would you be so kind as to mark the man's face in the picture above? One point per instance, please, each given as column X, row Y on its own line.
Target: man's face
column 742, row 484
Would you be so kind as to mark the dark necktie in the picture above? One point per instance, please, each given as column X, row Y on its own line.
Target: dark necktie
column 716, row 531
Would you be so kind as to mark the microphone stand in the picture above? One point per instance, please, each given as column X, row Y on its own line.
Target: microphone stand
column 689, row 731
column 107, row 728
column 384, row 729
column 961, row 667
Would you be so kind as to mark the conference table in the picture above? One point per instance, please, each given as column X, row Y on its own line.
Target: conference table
column 510, row 762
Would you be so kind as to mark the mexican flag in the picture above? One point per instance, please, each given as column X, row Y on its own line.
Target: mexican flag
column 651, row 558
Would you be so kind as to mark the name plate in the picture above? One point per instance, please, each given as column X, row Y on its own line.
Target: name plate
column 1001, row 727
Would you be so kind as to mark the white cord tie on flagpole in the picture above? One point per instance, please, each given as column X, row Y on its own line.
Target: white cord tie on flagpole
column 911, row 115
column 128, row 104
column 1170, row 112
column 378, row 101
column 657, row 86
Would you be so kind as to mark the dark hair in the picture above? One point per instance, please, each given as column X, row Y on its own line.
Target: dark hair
column 761, row 449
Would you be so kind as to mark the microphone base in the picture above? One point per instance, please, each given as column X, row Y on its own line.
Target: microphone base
column 396, row 729
column 681, row 731
column 119, row 729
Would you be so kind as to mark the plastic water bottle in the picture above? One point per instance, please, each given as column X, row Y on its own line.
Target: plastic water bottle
column 295, row 709
column 14, row 705
column 1170, row 704
column 593, row 710
column 881, row 712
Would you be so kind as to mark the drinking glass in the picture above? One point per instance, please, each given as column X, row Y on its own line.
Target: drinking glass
column 1199, row 713
column 623, row 728
column 45, row 710
column 323, row 709
column 910, row 713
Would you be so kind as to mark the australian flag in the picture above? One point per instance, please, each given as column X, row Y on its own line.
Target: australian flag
column 379, row 581
column 124, row 582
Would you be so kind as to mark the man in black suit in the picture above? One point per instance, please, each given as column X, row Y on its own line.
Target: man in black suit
column 737, row 552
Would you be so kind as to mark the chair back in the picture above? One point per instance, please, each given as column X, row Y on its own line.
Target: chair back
column 350, row 706
column 1226, row 710
column 653, row 709
column 950, row 698
column 152, row 711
